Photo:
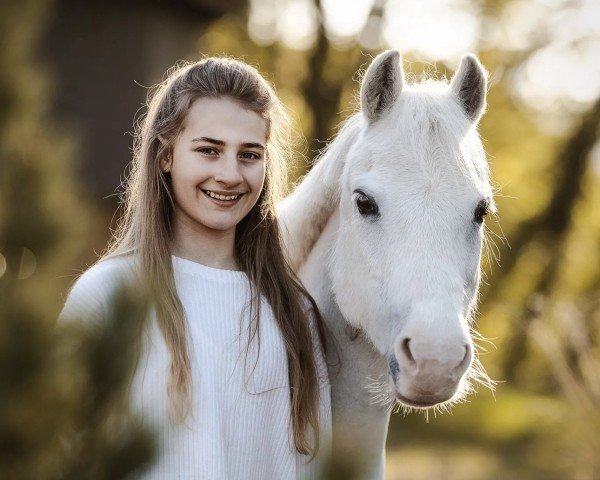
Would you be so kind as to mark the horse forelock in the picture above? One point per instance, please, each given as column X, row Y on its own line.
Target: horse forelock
column 427, row 125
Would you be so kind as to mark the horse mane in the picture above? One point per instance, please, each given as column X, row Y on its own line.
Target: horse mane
column 304, row 213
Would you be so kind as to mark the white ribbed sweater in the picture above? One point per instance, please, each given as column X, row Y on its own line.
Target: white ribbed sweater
column 240, row 427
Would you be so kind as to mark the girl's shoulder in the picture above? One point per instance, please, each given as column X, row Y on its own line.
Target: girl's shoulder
column 91, row 294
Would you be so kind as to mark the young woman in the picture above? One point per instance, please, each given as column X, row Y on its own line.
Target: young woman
column 231, row 370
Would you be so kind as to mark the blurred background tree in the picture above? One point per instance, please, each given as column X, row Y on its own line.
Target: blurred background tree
column 60, row 390
column 539, row 303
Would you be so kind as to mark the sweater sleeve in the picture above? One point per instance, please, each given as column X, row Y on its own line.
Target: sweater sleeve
column 90, row 297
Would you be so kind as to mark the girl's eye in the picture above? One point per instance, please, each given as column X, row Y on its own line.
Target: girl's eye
column 250, row 156
column 207, row 151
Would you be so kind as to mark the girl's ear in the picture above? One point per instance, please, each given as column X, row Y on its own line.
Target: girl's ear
column 165, row 162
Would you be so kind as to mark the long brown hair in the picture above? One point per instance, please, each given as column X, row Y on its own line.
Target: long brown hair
column 145, row 229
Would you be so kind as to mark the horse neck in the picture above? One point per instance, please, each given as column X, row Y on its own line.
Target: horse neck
column 359, row 423
column 304, row 214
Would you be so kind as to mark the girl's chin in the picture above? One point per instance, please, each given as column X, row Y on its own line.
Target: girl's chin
column 218, row 223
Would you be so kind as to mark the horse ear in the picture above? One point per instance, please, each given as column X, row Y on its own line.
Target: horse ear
column 469, row 84
column 381, row 85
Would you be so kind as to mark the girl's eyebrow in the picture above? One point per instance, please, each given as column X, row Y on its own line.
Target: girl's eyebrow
column 253, row 145
column 221, row 143
column 208, row 140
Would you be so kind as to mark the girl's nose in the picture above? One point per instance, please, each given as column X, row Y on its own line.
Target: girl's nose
column 228, row 172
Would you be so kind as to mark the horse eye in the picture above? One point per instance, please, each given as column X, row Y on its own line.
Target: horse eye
column 481, row 210
column 366, row 205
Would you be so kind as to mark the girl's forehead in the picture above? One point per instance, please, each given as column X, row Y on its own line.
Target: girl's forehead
column 224, row 119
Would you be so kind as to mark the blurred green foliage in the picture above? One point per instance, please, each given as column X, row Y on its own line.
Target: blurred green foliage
column 62, row 414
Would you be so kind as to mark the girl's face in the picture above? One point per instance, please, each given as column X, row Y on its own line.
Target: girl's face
column 218, row 164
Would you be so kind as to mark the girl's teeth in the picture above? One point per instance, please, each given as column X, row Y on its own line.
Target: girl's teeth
column 221, row 197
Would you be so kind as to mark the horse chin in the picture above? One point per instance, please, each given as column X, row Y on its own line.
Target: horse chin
column 421, row 402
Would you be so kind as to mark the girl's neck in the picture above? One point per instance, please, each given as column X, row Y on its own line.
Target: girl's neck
column 213, row 248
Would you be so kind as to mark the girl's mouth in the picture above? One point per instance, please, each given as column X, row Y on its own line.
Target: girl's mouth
column 221, row 199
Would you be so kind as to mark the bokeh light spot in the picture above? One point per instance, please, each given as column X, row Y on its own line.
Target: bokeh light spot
column 28, row 264
column 2, row 265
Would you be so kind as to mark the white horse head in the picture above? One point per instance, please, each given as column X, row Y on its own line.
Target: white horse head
column 413, row 193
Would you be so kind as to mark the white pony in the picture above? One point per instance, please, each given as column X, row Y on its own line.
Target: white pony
column 386, row 233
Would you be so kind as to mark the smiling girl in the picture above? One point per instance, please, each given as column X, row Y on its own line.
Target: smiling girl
column 231, row 369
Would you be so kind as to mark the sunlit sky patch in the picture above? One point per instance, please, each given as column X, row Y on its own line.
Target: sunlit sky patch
column 566, row 64
column 432, row 29
column 293, row 22
column 262, row 21
column 346, row 18
column 564, row 33
column 298, row 24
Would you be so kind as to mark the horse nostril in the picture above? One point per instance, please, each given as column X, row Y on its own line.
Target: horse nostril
column 394, row 367
column 406, row 350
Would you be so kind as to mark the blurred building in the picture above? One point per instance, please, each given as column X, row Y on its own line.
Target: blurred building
column 101, row 54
